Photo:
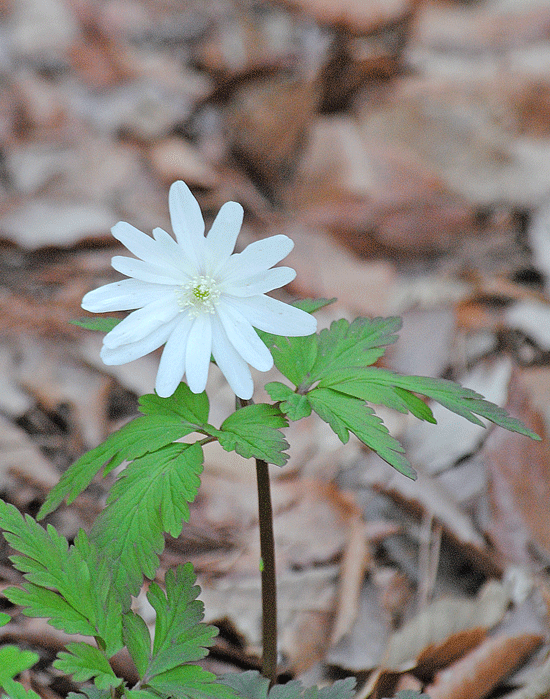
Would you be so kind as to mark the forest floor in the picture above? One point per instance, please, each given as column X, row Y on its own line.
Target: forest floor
column 404, row 145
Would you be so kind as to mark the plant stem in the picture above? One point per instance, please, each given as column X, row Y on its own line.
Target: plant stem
column 269, row 589
column 267, row 554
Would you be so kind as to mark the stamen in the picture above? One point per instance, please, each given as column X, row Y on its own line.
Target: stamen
column 198, row 296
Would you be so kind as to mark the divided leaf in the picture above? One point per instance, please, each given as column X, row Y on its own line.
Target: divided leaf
column 66, row 584
column 292, row 404
column 83, row 662
column 254, row 432
column 164, row 421
column 347, row 414
column 251, row 685
column 150, row 497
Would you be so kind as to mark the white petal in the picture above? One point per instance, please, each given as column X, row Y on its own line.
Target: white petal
column 124, row 295
column 260, row 283
column 256, row 257
column 221, row 239
column 230, row 362
column 142, row 322
column 198, row 352
column 175, row 252
column 274, row 316
column 172, row 362
column 187, row 221
column 134, row 350
column 146, row 248
column 243, row 337
column 148, row 272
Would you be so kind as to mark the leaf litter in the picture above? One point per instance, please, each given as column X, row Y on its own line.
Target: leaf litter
column 404, row 146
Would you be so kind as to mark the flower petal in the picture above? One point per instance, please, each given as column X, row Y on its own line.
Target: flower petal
column 134, row 350
column 243, row 337
column 221, row 239
column 187, row 221
column 198, row 352
column 175, row 252
column 148, row 272
column 124, row 295
column 230, row 362
column 140, row 323
column 274, row 316
column 260, row 283
column 256, row 257
column 172, row 362
column 153, row 251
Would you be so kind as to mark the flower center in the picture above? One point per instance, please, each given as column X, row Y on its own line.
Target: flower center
column 198, row 296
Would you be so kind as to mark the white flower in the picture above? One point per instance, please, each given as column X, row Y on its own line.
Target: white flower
column 196, row 296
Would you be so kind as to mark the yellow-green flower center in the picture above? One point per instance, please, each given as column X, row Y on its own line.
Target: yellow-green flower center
column 198, row 296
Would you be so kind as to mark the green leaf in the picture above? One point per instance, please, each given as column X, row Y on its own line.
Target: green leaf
column 292, row 404
column 15, row 690
column 13, row 660
column 149, row 498
column 137, row 640
column 83, row 662
column 4, row 619
column 165, row 420
column 347, row 414
column 253, row 432
column 362, row 383
column 91, row 693
column 191, row 682
column 103, row 325
column 313, row 305
column 60, row 584
column 353, row 345
column 293, row 356
column 180, row 637
column 251, row 685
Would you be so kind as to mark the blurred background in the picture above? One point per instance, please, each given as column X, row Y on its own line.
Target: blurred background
column 404, row 145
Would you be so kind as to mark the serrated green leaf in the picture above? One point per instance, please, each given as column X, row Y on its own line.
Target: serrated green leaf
column 59, row 584
column 91, row 693
column 253, row 432
column 313, row 305
column 15, row 690
column 140, row 694
column 191, row 682
column 362, row 383
column 41, row 602
column 353, row 345
column 251, row 685
column 103, row 325
column 164, row 421
column 83, row 662
column 347, row 414
column 294, row 405
column 150, row 497
column 180, row 637
column 13, row 660
column 293, row 356
column 138, row 640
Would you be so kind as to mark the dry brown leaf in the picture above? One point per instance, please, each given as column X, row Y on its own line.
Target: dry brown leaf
column 519, row 483
column 440, row 621
column 475, row 675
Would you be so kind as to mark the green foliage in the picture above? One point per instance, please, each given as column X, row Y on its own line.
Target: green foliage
column 251, row 685
column 83, row 662
column 70, row 585
column 150, row 497
column 164, row 421
column 100, row 324
column 15, row 690
column 180, row 638
column 13, row 660
column 333, row 376
column 253, row 431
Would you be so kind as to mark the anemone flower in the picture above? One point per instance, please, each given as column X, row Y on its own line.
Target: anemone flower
column 197, row 297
